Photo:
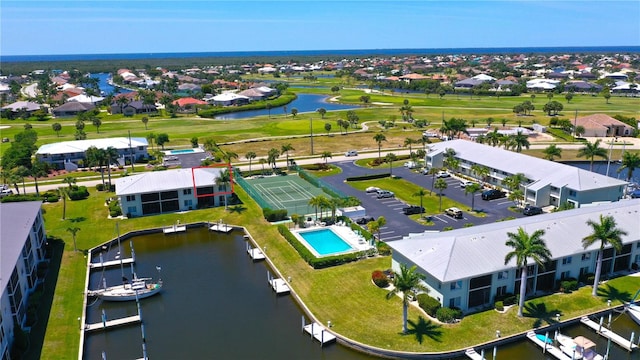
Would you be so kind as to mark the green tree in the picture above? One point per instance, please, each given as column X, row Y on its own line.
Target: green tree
column 526, row 247
column 194, row 142
column 481, row 172
column 390, row 158
column 294, row 112
column 420, row 193
column 285, row 150
column 56, row 127
column 111, row 155
column 96, row 157
column 551, row 152
column 406, row 282
column 472, row 189
column 579, row 130
column 379, row 138
column 63, row 193
column 250, row 156
column 513, row 182
column 409, row 142
column 38, row 169
column 97, row 123
column 326, row 155
column 519, row 141
column 269, row 106
column 327, row 127
column 441, row 186
column 74, row 231
column 162, row 139
column 607, row 233
column 145, row 121
column 493, row 137
column 375, row 227
column 630, row 162
column 272, row 157
column 569, row 96
column 591, row 150
column 222, row 180
column 69, row 180
column 322, row 112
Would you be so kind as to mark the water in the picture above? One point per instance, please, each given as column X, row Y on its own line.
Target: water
column 184, row 151
column 105, row 87
column 304, row 103
column 325, row 241
column 215, row 304
column 600, row 167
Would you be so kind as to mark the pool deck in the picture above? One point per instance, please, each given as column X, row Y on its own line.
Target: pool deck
column 356, row 241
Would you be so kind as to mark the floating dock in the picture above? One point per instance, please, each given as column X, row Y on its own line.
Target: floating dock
column 604, row 332
column 112, row 323
column 548, row 348
column 219, row 227
column 278, row 285
column 319, row 333
column 255, row 253
column 110, row 263
column 473, row 355
column 174, row 229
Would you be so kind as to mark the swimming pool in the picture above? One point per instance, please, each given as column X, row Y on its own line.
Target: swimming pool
column 325, row 242
column 184, row 151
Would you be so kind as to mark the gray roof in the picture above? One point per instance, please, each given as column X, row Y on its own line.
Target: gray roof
column 478, row 250
column 74, row 106
column 76, row 146
column 155, row 181
column 535, row 169
column 16, row 219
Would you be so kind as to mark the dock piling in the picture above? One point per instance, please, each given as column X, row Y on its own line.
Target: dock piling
column 495, row 352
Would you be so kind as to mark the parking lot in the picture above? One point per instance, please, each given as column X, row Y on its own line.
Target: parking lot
column 399, row 224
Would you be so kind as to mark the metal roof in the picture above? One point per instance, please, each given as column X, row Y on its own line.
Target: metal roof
column 155, row 181
column 535, row 169
column 16, row 219
column 77, row 146
column 479, row 250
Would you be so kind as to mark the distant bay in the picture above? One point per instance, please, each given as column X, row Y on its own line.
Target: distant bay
column 315, row 53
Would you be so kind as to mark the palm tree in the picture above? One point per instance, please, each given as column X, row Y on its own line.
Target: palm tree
column 74, row 231
column 38, row 170
column 514, row 181
column 63, row 192
column 551, row 152
column 262, row 161
column 526, row 246
column 493, row 138
column 591, row 150
column 472, row 189
column 223, row 179
column 285, row 150
column 420, row 193
column 520, row 140
column 606, row 232
column 440, row 185
column 406, row 282
column 630, row 161
column 250, row 156
column 97, row 157
column 390, row 158
column 376, row 226
column 272, row 157
column 111, row 154
column 316, row 202
column 228, row 155
column 433, row 171
column 322, row 112
column 326, row 155
column 409, row 142
column 69, row 180
column 379, row 138
column 480, row 171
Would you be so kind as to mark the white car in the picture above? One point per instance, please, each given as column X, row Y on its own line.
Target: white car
column 442, row 174
column 410, row 165
column 372, row 189
column 465, row 183
column 351, row 153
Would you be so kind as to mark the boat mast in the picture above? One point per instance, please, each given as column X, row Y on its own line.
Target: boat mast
column 120, row 252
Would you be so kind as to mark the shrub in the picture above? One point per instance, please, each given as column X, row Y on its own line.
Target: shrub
column 380, row 279
column 383, row 248
column 499, row 306
column 428, row 304
column 19, row 198
column 569, row 285
column 274, row 215
column 447, row 228
column 507, row 299
column 448, row 315
column 100, row 187
column 51, row 197
column 78, row 193
column 114, row 209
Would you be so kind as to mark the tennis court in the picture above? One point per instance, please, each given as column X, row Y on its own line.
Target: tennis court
column 287, row 192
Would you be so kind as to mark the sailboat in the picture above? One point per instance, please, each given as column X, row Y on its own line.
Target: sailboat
column 633, row 309
column 137, row 288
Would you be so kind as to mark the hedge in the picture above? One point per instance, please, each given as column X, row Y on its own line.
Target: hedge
column 274, row 215
column 306, row 255
column 428, row 304
column 78, row 193
column 499, row 305
column 380, row 279
column 283, row 99
column 448, row 315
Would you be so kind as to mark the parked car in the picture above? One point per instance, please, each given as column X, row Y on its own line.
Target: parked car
column 531, row 210
column 364, row 220
column 454, row 212
column 381, row 194
column 372, row 189
column 442, row 174
column 493, row 194
column 410, row 164
column 465, row 183
column 429, row 134
column 351, row 153
column 412, row 209
column 5, row 192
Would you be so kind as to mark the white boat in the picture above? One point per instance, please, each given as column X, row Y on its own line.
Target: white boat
column 137, row 288
column 578, row 348
column 633, row 309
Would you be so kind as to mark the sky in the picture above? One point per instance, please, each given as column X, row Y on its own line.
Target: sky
column 158, row 26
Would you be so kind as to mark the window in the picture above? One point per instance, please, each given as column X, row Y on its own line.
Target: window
column 501, row 290
column 131, row 198
column 456, row 285
column 584, row 270
column 503, row 275
column 586, row 256
column 186, row 192
column 566, row 261
column 565, row 275
column 454, row 302
column 637, row 260
column 188, row 203
column 131, row 209
column 572, row 193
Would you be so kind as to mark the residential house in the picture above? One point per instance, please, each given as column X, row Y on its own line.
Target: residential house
column 68, row 154
column 72, row 109
column 602, row 125
column 133, row 108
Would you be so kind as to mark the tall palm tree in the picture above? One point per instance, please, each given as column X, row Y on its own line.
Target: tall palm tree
column 591, row 150
column 440, row 185
column 526, row 247
column 406, row 282
column 262, row 161
column 520, row 140
column 38, row 170
column 74, row 231
column 379, row 138
column 315, row 201
column 630, row 162
column 551, row 152
column 326, row 155
column 493, row 138
column 409, row 142
column 376, row 226
column 63, row 192
column 250, row 156
column 285, row 150
column 607, row 233
column 481, row 172
column 112, row 155
column 390, row 158
column 272, row 157
column 223, row 179
column 420, row 193
column 472, row 189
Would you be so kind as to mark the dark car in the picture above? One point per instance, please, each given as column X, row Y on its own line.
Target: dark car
column 364, row 220
column 531, row 210
column 413, row 209
column 492, row 194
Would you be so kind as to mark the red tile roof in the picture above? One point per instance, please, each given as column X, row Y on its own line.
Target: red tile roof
column 188, row 101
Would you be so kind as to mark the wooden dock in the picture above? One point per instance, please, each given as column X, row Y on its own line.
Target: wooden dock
column 112, row 323
column 603, row 331
column 319, row 333
column 255, row 253
column 473, row 355
column 278, row 285
column 174, row 229
column 218, row 227
column 548, row 348
column 110, row 263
